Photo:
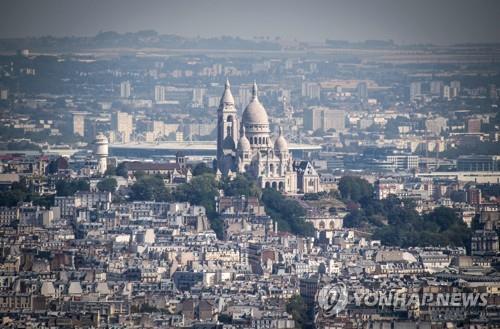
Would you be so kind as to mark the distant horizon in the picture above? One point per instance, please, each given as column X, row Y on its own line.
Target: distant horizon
column 272, row 39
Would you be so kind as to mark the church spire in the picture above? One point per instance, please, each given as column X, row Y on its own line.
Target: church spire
column 254, row 90
column 227, row 97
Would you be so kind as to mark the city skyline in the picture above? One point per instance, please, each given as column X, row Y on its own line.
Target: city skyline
column 406, row 22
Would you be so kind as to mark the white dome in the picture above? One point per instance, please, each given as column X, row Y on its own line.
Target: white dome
column 243, row 142
column 255, row 113
column 280, row 144
column 101, row 139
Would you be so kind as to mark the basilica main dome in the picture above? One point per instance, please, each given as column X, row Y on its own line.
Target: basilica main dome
column 255, row 113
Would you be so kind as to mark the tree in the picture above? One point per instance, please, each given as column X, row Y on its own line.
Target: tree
column 111, row 171
column 52, row 167
column 19, row 193
column 202, row 190
column 121, row 170
column 225, row 318
column 287, row 212
column 201, row 168
column 396, row 223
column 354, row 219
column 68, row 187
column 240, row 185
column 149, row 188
column 217, row 225
column 107, row 185
column 441, row 227
column 450, row 226
column 20, row 145
column 392, row 126
column 56, row 164
column 355, row 188
column 443, row 217
column 302, row 313
column 12, row 198
column 44, row 201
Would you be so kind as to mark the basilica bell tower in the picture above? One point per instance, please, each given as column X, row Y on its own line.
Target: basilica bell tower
column 227, row 132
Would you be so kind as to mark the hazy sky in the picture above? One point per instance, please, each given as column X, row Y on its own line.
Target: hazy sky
column 405, row 21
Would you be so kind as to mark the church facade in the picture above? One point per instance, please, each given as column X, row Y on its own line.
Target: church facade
column 247, row 147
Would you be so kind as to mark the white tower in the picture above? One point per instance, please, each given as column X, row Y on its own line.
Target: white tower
column 101, row 152
column 227, row 131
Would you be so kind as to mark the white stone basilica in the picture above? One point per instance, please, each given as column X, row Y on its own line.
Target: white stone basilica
column 248, row 148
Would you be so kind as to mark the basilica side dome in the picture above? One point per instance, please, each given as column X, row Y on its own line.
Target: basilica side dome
column 243, row 142
column 280, row 145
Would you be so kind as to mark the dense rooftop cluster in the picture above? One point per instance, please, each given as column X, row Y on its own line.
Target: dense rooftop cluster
column 130, row 195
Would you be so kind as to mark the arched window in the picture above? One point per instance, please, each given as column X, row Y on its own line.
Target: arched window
column 229, row 126
column 275, row 186
column 271, row 168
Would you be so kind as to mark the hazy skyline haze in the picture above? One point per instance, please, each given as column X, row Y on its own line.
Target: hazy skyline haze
column 404, row 21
